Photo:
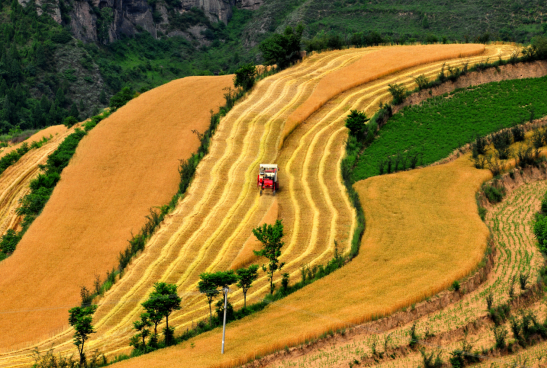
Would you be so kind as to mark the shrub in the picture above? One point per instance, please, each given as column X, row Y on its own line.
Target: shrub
column 433, row 360
column 540, row 231
column 456, row 285
column 523, row 281
column 398, row 91
column 489, row 301
column 499, row 314
column 245, row 77
column 414, row 337
column 500, row 334
column 70, row 121
column 422, row 82
column 121, row 98
column 282, row 49
column 479, row 146
column 355, row 122
column 493, row 194
column 518, row 133
column 502, row 141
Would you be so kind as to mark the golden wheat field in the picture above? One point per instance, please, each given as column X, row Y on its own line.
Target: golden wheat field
column 125, row 166
column 210, row 228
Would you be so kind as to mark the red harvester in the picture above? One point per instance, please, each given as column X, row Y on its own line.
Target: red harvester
column 267, row 178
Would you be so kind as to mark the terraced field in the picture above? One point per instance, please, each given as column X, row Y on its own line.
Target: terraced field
column 510, row 223
column 209, row 227
column 14, row 182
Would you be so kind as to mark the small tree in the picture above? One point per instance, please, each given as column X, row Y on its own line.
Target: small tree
column 168, row 299
column 282, row 49
column 70, row 121
column 245, row 77
column 223, row 279
column 153, row 307
column 355, row 122
column 246, row 277
column 398, row 91
column 121, row 98
column 80, row 318
column 270, row 237
column 142, row 327
column 208, row 287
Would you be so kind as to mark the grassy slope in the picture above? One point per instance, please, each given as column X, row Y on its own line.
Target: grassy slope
column 509, row 20
column 438, row 126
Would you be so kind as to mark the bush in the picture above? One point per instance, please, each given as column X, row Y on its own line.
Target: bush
column 121, row 98
column 456, row 285
column 245, row 77
column 502, row 141
column 540, row 231
column 398, row 91
column 493, row 194
column 70, row 121
column 518, row 133
column 282, row 49
column 355, row 122
column 479, row 146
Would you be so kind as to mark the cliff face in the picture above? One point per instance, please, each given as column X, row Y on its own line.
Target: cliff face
column 104, row 21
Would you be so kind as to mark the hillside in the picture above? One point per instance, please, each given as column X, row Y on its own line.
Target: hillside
column 210, row 226
column 124, row 167
column 70, row 59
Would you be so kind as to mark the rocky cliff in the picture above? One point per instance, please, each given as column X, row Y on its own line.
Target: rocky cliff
column 104, row 21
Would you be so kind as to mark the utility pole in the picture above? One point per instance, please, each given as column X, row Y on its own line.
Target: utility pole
column 224, row 324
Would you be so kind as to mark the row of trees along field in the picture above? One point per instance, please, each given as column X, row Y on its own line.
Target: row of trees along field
column 164, row 300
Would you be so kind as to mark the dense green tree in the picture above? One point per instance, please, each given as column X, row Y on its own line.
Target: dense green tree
column 283, row 49
column 245, row 77
column 246, row 277
column 355, row 122
column 81, row 318
column 153, row 307
column 102, row 98
column 142, row 326
column 270, row 237
column 74, row 112
column 121, row 98
column 207, row 286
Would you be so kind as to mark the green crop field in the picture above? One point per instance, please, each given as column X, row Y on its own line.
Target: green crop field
column 439, row 125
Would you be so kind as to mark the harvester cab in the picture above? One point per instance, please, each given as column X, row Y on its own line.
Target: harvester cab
column 267, row 178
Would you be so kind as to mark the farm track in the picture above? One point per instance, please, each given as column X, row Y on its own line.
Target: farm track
column 511, row 226
column 208, row 228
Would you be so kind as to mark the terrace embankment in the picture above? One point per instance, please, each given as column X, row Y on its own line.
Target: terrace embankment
column 125, row 166
column 534, row 69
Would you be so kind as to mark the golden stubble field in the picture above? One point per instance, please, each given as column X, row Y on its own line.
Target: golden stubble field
column 209, row 228
column 126, row 165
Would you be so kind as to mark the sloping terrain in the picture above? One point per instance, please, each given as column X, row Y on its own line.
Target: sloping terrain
column 208, row 229
column 14, row 182
column 125, row 166
column 517, row 252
